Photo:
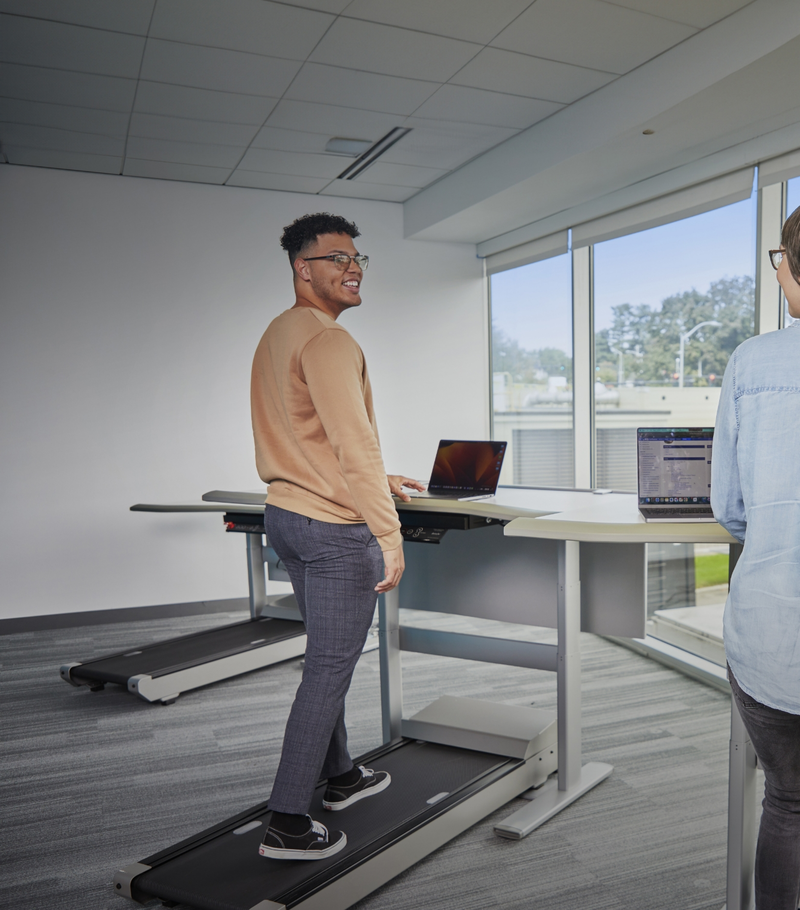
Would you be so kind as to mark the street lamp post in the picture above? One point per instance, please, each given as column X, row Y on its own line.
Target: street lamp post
column 684, row 338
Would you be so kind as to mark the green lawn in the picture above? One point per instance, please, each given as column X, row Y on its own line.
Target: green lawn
column 711, row 570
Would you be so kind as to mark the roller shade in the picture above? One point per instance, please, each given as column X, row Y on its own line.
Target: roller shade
column 776, row 170
column 693, row 200
column 543, row 248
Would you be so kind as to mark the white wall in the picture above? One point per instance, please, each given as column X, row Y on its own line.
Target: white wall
column 130, row 311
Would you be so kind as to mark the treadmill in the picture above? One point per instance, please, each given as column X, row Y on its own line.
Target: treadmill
column 160, row 672
column 452, row 764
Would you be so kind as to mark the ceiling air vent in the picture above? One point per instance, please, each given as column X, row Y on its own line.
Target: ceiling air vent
column 371, row 155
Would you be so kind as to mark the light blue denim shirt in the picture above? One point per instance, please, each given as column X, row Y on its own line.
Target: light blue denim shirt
column 755, row 494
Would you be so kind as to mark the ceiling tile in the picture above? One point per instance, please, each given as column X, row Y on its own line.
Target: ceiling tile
column 284, row 182
column 393, row 51
column 690, row 12
column 201, row 104
column 61, row 116
column 178, row 129
column 34, row 83
column 477, row 106
column 218, row 69
column 258, row 26
column 591, row 33
column 470, row 20
column 270, row 137
column 458, row 128
column 298, row 164
column 69, row 47
column 355, row 189
column 166, row 170
column 334, row 121
column 131, row 16
column 400, row 174
column 353, row 88
column 519, row 74
column 326, row 6
column 209, row 155
column 44, row 137
column 431, row 148
column 73, row 161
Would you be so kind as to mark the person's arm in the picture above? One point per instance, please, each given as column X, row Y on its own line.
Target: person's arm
column 726, row 488
column 332, row 368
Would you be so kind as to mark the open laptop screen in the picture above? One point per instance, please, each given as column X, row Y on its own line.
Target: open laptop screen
column 674, row 465
column 471, row 467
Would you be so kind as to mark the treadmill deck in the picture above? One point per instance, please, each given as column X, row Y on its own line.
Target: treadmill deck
column 220, row 869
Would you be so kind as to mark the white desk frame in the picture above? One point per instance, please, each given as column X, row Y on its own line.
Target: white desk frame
column 570, row 518
column 618, row 523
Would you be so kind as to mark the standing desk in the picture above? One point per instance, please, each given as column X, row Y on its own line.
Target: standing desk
column 618, row 522
column 570, row 560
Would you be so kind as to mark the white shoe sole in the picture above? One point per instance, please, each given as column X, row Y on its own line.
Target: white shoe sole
column 279, row 853
column 362, row 794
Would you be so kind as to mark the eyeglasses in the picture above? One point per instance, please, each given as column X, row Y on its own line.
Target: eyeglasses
column 776, row 257
column 342, row 260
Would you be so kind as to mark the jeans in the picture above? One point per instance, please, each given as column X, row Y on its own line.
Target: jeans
column 334, row 569
column 776, row 739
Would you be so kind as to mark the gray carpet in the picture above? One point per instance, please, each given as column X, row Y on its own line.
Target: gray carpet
column 94, row 781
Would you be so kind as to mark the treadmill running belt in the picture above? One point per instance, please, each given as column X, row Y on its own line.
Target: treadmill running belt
column 221, row 870
column 176, row 654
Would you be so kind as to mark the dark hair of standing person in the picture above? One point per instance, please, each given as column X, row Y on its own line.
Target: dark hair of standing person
column 298, row 236
column 790, row 241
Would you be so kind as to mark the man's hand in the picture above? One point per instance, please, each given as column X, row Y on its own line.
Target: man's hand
column 397, row 482
column 394, row 564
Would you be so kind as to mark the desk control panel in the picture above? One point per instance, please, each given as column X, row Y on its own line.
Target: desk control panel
column 243, row 522
column 430, row 527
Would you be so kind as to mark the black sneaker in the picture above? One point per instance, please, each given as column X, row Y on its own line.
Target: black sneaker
column 316, row 843
column 371, row 782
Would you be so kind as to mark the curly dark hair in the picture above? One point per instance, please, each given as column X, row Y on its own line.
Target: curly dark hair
column 300, row 234
column 790, row 241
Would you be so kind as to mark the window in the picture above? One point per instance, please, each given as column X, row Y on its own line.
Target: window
column 531, row 312
column 671, row 304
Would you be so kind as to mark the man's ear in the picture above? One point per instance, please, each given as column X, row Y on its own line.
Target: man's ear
column 301, row 270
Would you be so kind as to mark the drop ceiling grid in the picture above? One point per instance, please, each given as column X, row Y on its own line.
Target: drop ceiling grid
column 217, row 81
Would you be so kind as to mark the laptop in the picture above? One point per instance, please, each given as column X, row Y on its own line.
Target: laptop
column 674, row 466
column 464, row 469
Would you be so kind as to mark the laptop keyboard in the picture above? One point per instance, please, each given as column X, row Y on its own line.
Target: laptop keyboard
column 693, row 510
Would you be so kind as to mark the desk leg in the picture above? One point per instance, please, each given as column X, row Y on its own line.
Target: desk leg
column 573, row 779
column 742, row 831
column 256, row 575
column 391, row 673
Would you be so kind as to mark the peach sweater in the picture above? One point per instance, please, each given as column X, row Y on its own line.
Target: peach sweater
column 314, row 426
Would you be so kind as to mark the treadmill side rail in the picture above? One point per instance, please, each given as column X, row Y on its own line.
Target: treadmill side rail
column 66, row 674
column 125, row 876
column 268, row 905
column 156, row 688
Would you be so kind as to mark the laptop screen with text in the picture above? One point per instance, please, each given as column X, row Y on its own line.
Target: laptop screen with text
column 674, row 465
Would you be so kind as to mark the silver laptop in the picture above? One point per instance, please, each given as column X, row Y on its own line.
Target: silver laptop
column 674, row 465
column 464, row 469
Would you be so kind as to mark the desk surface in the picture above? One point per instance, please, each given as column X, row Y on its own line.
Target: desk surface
column 546, row 514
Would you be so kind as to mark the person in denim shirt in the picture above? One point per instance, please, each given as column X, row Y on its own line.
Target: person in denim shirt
column 755, row 495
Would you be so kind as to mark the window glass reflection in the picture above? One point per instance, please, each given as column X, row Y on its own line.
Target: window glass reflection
column 531, row 309
column 671, row 304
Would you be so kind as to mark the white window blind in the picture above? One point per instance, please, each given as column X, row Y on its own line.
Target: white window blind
column 776, row 170
column 536, row 250
column 684, row 203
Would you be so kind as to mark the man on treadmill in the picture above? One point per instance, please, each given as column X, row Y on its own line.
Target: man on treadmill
column 329, row 517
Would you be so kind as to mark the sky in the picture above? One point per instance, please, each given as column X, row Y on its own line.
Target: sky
column 533, row 304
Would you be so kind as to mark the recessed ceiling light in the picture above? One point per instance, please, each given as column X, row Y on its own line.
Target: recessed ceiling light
column 351, row 147
column 648, row 132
